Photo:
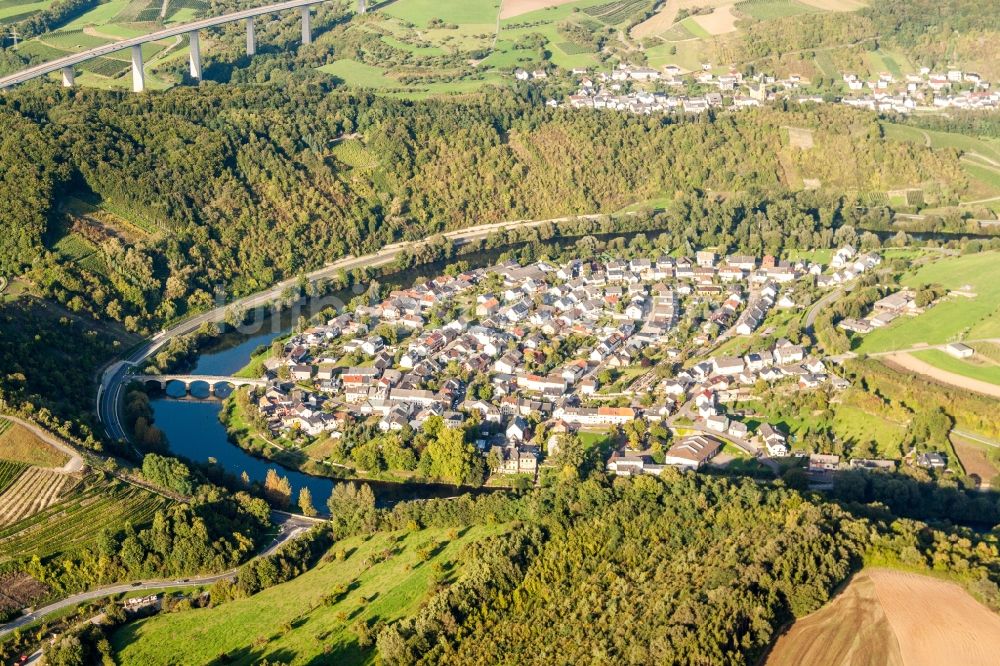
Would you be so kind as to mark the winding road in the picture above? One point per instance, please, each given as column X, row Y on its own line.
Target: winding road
column 290, row 527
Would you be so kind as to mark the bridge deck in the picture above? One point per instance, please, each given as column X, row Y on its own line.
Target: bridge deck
column 83, row 56
column 208, row 379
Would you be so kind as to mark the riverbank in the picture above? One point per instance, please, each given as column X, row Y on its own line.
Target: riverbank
column 242, row 432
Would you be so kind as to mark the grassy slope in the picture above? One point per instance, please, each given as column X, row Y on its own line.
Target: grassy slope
column 23, row 8
column 956, row 316
column 394, row 588
column 419, row 12
column 99, row 15
column 988, row 147
column 982, row 370
column 20, row 444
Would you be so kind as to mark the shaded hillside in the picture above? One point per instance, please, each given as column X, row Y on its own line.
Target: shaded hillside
column 138, row 208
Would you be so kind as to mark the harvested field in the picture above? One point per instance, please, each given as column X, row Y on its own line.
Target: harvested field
column 19, row 590
column 719, row 22
column 666, row 15
column 36, row 489
column 512, row 8
column 660, row 21
column 911, row 363
column 974, row 460
column 799, row 137
column 21, row 445
column 892, row 618
column 836, row 5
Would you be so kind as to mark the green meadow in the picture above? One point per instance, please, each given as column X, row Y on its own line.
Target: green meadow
column 956, row 317
column 382, row 578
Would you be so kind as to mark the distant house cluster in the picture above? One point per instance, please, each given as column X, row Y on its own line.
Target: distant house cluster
column 671, row 89
column 952, row 89
column 846, row 265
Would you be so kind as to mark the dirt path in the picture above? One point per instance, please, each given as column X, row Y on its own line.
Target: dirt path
column 94, row 32
column 914, row 364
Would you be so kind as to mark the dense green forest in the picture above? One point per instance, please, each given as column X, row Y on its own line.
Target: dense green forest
column 48, row 357
column 686, row 569
column 689, row 571
column 923, row 29
column 233, row 187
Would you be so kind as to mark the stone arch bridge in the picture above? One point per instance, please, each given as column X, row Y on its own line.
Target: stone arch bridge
column 212, row 381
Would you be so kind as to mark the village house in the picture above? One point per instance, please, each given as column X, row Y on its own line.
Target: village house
column 692, row 452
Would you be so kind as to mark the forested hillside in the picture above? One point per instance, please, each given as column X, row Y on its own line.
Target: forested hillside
column 931, row 32
column 166, row 198
column 685, row 569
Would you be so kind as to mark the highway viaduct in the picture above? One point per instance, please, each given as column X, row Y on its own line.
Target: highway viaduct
column 66, row 64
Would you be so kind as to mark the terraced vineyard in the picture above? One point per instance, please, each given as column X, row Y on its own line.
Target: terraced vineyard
column 9, row 470
column 616, row 12
column 34, row 490
column 110, row 67
column 78, row 519
column 772, row 9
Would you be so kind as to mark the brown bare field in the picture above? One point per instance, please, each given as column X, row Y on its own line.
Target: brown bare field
column 512, row 8
column 719, row 22
column 800, row 138
column 914, row 364
column 666, row 16
column 892, row 618
column 974, row 460
column 660, row 21
column 19, row 590
column 836, row 5
column 20, row 444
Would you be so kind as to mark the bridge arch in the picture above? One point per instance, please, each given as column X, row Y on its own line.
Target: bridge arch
column 155, row 384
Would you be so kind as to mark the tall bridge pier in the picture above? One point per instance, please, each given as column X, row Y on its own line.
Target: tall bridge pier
column 138, row 76
column 195, row 54
column 251, row 37
column 307, row 35
column 68, row 77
